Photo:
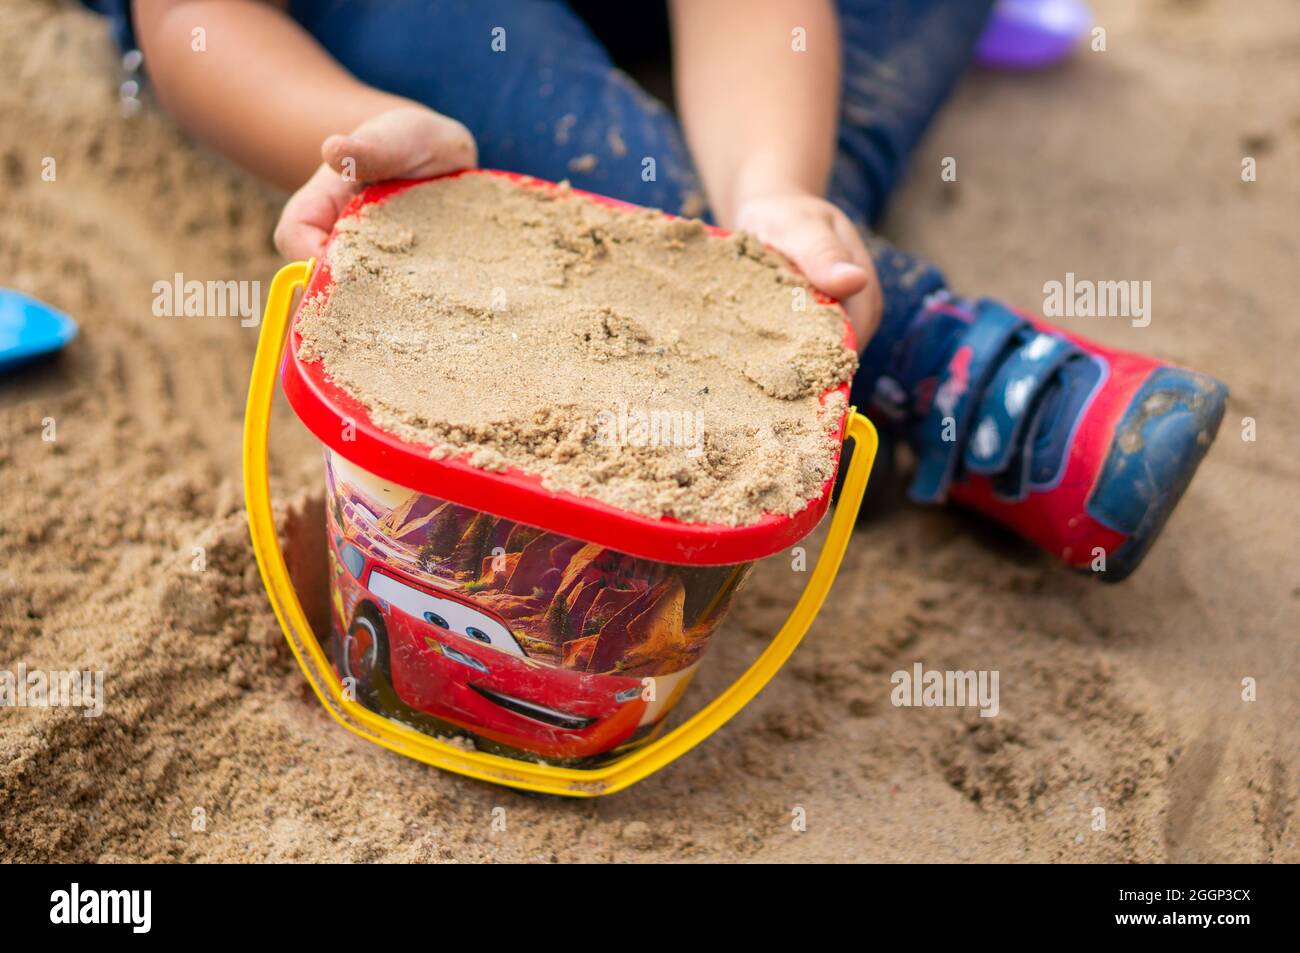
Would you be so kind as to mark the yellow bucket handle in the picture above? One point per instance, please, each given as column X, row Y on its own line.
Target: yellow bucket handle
column 550, row 779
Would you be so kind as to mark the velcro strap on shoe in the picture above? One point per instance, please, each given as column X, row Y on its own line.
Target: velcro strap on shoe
column 1010, row 400
column 947, row 423
column 1013, row 483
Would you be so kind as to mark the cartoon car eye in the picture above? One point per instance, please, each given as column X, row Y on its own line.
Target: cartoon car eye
column 353, row 558
column 445, row 613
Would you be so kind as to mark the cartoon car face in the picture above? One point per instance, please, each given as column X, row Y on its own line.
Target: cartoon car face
column 441, row 610
column 409, row 643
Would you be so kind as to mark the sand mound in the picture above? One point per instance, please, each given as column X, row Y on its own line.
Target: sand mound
column 1122, row 698
column 622, row 356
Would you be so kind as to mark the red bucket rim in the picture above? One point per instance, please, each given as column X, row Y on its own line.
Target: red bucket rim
column 514, row 494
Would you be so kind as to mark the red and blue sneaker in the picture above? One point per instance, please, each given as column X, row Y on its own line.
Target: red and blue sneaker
column 1081, row 449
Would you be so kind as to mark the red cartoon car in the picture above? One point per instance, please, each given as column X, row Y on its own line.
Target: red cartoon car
column 444, row 656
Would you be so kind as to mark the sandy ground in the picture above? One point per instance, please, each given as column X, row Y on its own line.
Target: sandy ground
column 1124, row 164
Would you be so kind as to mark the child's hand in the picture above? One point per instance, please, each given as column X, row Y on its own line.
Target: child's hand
column 409, row 142
column 825, row 246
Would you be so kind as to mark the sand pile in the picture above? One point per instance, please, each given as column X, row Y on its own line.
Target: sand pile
column 1125, row 698
column 621, row 355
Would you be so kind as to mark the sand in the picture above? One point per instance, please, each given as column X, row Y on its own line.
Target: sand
column 625, row 357
column 1127, row 698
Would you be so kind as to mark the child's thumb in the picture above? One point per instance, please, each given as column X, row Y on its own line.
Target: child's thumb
column 400, row 144
column 828, row 264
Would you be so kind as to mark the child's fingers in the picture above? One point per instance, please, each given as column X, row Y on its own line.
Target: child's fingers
column 826, row 260
column 449, row 147
column 365, row 160
column 837, row 267
column 864, row 307
column 299, row 240
column 823, row 244
column 858, row 308
column 309, row 215
column 401, row 143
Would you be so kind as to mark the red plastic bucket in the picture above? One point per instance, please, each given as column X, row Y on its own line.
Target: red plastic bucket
column 529, row 625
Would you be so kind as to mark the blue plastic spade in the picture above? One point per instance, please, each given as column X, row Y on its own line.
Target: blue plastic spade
column 30, row 328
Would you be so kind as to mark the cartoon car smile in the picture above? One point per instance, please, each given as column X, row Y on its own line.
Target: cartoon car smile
column 446, row 657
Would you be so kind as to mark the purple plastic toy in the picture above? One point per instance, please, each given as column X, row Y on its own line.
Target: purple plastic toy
column 1032, row 34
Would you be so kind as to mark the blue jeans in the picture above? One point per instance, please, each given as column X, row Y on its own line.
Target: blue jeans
column 552, row 104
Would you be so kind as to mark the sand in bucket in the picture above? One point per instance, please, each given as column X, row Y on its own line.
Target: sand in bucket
column 559, row 432
column 628, row 357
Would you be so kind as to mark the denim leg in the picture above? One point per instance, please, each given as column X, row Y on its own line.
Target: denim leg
column 552, row 104
column 529, row 80
column 901, row 59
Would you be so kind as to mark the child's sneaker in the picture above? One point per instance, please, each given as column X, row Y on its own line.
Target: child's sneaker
column 1081, row 449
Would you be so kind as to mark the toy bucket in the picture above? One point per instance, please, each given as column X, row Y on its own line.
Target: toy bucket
column 485, row 625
